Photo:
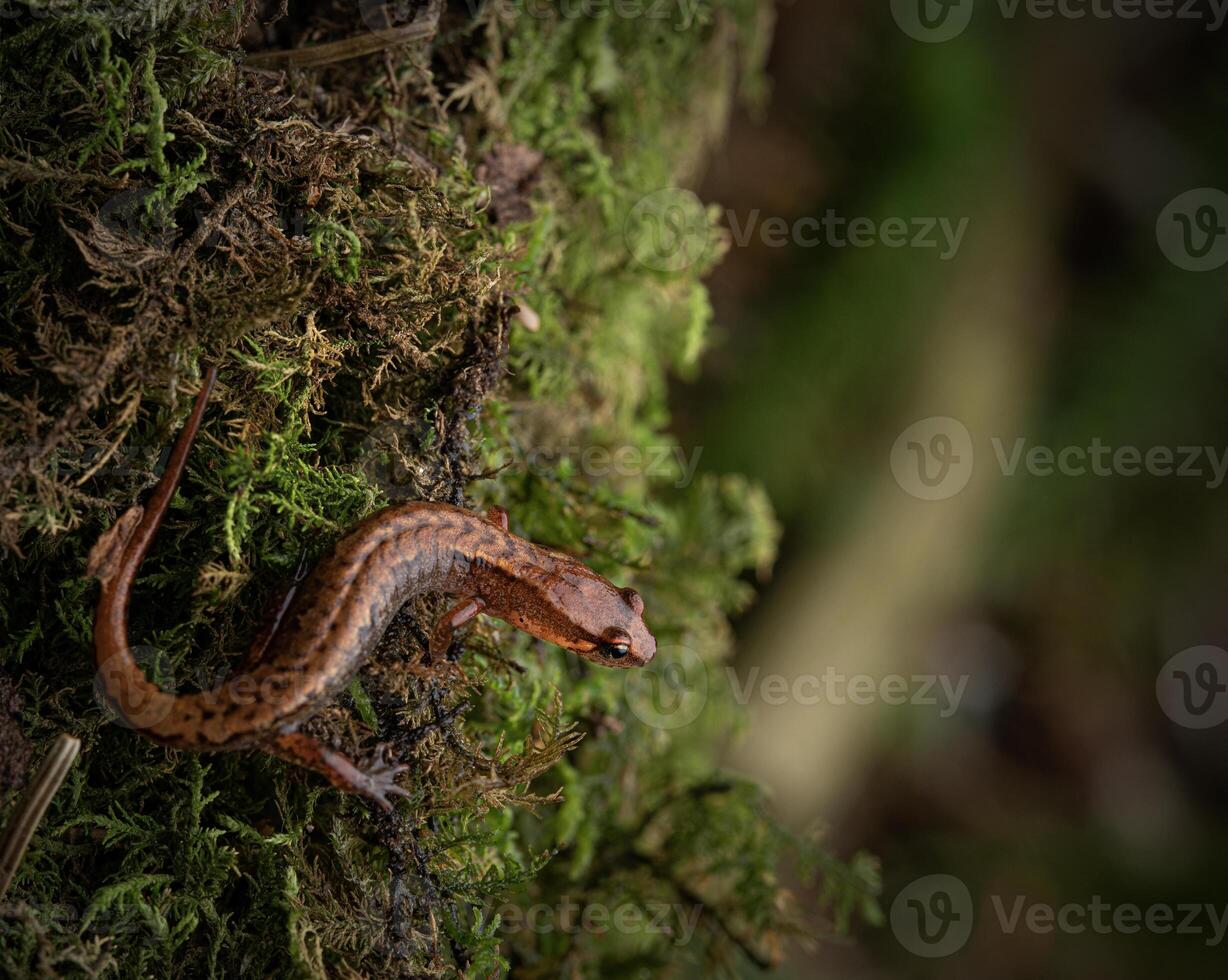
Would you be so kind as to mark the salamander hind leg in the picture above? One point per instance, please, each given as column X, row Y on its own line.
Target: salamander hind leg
column 274, row 613
column 449, row 622
column 498, row 517
column 377, row 781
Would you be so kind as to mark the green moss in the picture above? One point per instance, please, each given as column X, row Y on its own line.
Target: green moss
column 324, row 238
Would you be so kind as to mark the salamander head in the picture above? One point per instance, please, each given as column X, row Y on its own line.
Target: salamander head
column 622, row 640
column 566, row 603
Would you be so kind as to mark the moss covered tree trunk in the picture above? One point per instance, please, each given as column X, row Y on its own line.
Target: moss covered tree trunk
column 440, row 254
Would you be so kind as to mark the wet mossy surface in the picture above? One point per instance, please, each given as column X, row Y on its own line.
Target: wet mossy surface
column 415, row 272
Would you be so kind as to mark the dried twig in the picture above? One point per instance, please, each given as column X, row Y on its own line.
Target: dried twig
column 29, row 815
column 316, row 55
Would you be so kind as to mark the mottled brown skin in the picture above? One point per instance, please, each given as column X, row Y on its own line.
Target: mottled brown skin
column 326, row 628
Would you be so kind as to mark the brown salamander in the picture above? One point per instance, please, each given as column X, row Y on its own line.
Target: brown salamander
column 327, row 627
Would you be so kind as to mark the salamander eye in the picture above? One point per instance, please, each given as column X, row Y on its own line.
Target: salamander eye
column 615, row 645
column 632, row 599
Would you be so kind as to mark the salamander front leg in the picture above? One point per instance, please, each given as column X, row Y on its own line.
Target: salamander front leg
column 449, row 622
column 274, row 613
column 375, row 782
column 498, row 517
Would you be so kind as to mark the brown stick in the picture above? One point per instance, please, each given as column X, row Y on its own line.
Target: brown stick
column 29, row 815
column 316, row 55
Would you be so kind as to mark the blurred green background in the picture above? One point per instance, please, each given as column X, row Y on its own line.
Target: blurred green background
column 1071, row 311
